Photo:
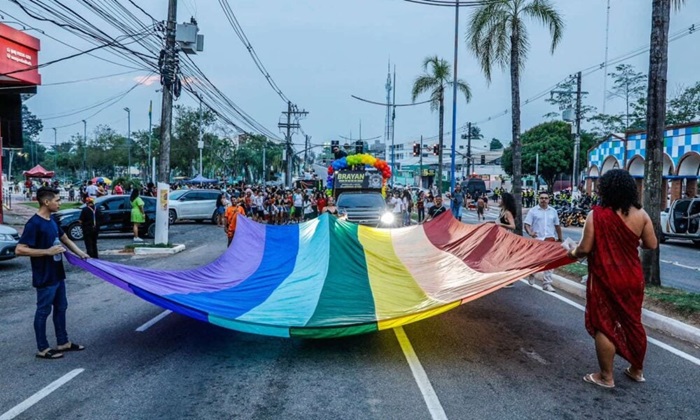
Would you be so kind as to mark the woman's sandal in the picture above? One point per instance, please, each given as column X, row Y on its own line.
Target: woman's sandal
column 72, row 347
column 50, row 354
column 628, row 372
column 592, row 380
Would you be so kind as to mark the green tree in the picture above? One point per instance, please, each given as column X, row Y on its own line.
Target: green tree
column 184, row 154
column 498, row 36
column 32, row 151
column 656, row 123
column 553, row 141
column 629, row 85
column 495, row 144
column 436, row 77
column 685, row 107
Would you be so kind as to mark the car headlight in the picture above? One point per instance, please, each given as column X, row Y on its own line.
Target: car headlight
column 387, row 218
column 6, row 238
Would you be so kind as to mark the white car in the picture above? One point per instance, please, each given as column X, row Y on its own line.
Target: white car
column 682, row 221
column 198, row 205
column 8, row 242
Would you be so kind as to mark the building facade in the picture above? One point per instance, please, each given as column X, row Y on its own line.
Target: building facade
column 681, row 160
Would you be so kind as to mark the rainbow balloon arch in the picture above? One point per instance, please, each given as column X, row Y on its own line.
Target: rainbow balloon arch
column 359, row 159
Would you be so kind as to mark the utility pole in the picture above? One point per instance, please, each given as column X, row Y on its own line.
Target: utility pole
column 264, row 168
column 576, row 121
column 292, row 112
column 454, row 104
column 55, row 150
column 537, row 173
column 420, row 160
column 393, row 119
column 200, row 143
column 128, row 140
column 150, row 136
column 469, row 149
column 306, row 149
column 168, row 71
column 577, row 140
column 85, row 148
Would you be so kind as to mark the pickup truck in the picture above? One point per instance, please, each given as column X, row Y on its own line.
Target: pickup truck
column 682, row 221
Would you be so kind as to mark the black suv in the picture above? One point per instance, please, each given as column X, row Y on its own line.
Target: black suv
column 116, row 216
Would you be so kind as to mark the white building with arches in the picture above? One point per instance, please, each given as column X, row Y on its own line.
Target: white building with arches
column 628, row 151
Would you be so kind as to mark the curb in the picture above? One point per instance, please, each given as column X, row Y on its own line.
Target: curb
column 142, row 250
column 649, row 319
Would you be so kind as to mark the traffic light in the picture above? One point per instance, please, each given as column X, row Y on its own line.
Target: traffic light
column 436, row 149
column 483, row 159
column 359, row 146
column 416, row 149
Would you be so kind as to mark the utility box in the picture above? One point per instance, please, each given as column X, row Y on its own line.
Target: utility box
column 188, row 37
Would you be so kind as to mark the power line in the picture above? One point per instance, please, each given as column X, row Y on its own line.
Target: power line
column 244, row 39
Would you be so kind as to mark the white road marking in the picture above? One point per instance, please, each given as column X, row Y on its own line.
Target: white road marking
column 654, row 341
column 150, row 323
column 677, row 264
column 24, row 405
column 426, row 388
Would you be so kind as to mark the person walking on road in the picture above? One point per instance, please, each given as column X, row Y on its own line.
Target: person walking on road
column 138, row 214
column 89, row 217
column 43, row 242
column 615, row 287
column 457, row 202
column 436, row 210
column 542, row 223
column 506, row 216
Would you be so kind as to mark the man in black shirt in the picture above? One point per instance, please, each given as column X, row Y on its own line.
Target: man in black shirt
column 436, row 210
column 43, row 241
column 338, row 152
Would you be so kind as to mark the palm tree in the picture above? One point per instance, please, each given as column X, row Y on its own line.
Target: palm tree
column 438, row 76
column 497, row 36
column 656, row 117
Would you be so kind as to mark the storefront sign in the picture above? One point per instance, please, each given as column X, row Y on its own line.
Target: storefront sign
column 18, row 51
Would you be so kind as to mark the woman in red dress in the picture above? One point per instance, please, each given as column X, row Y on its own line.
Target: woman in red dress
column 615, row 288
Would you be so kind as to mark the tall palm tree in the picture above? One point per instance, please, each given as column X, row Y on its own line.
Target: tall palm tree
column 497, row 35
column 436, row 77
column 656, row 117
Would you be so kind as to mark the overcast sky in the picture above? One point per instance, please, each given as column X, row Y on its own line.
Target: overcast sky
column 320, row 52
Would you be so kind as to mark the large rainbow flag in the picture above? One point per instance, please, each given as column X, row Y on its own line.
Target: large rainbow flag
column 331, row 278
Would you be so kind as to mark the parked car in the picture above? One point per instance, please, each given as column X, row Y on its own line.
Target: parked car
column 682, row 221
column 197, row 205
column 8, row 242
column 116, row 217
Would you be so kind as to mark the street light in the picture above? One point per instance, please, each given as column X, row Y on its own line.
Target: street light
column 128, row 141
column 85, row 148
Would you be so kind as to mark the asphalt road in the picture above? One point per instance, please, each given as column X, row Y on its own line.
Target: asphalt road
column 516, row 353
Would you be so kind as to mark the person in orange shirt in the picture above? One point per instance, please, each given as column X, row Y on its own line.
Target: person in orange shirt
column 231, row 215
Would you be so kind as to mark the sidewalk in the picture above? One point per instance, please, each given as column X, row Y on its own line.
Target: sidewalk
column 18, row 215
column 649, row 319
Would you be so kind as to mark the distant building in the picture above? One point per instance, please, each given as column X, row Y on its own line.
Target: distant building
column 628, row 151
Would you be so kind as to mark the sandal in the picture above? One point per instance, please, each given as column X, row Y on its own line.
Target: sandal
column 72, row 347
column 640, row 378
column 50, row 354
column 591, row 380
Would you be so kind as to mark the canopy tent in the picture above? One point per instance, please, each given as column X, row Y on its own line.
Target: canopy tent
column 199, row 179
column 331, row 278
column 38, row 172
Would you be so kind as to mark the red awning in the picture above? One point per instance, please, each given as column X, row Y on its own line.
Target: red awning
column 38, row 172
